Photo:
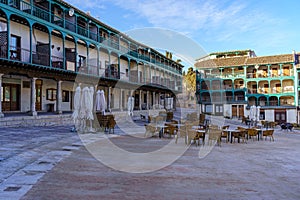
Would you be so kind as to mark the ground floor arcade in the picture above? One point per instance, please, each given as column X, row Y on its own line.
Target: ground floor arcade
column 20, row 93
column 278, row 114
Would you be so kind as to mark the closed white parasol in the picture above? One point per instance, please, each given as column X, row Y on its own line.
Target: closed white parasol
column 77, row 100
column 90, row 102
column 130, row 105
column 257, row 113
column 84, row 103
column 97, row 101
column 102, row 102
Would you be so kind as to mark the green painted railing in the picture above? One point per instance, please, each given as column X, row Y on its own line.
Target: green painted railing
column 44, row 14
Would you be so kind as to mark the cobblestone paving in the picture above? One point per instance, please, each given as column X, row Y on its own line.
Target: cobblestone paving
column 51, row 163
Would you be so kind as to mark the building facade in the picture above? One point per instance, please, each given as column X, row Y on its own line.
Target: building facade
column 228, row 83
column 48, row 47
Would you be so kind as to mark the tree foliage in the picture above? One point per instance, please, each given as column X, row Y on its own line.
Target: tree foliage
column 189, row 80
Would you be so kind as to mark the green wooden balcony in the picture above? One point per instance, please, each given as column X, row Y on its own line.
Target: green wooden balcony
column 46, row 15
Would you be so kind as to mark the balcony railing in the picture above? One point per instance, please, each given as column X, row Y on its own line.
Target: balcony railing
column 273, row 103
column 82, row 31
column 3, row 51
column 44, row 14
column 57, row 62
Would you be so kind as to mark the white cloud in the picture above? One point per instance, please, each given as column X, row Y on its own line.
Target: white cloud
column 232, row 23
column 220, row 20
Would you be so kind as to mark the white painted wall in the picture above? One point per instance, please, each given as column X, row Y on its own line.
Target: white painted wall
column 57, row 42
column 46, row 85
column 93, row 57
column 81, row 50
column 123, row 67
column 68, row 86
column 114, row 59
column 116, row 98
column 23, row 32
column 269, row 115
column 227, row 110
column 291, row 115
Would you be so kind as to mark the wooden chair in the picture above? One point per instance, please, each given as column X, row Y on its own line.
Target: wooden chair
column 214, row 135
column 225, row 127
column 150, row 130
column 244, row 119
column 268, row 133
column 225, row 134
column 111, row 123
column 192, row 135
column 202, row 118
column 182, row 133
column 253, row 133
column 273, row 124
column 235, row 135
column 170, row 130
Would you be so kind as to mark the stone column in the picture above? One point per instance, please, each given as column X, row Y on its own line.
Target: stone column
column 33, row 98
column 140, row 99
column 148, row 100
column 58, row 97
column 109, row 99
column 159, row 94
column 153, row 100
column 121, row 100
column 1, row 113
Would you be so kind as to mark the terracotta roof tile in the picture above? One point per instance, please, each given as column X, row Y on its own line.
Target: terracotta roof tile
column 270, row 59
column 243, row 60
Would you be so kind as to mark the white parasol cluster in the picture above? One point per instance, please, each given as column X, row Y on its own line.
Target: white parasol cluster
column 83, row 107
column 100, row 101
column 130, row 105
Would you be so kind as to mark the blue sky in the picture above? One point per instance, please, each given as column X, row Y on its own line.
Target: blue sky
column 266, row 26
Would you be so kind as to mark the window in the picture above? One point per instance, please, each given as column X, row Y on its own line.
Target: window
column 81, row 61
column 208, row 108
column 15, row 47
column 65, row 96
column 127, row 74
column 51, row 94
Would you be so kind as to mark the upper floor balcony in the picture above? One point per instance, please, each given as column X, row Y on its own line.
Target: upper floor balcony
column 62, row 19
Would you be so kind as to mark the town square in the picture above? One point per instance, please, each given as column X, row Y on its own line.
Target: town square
column 159, row 100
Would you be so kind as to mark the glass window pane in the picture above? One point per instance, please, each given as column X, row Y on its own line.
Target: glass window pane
column 14, row 94
column 6, row 94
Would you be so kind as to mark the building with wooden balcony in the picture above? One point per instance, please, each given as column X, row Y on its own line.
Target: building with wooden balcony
column 228, row 83
column 48, row 47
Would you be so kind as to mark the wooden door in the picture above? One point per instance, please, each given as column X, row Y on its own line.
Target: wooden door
column 10, row 97
column 38, row 97
column 241, row 111
column 234, row 110
column 280, row 116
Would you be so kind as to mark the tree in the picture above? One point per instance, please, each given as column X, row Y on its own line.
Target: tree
column 189, row 80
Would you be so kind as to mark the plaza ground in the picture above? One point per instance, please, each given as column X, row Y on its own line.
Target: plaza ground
column 52, row 163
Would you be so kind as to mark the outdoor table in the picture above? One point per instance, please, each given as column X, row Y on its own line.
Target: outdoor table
column 230, row 131
column 259, row 132
column 161, row 132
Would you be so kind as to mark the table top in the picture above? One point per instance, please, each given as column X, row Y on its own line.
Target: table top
column 232, row 130
column 178, row 124
column 201, row 131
